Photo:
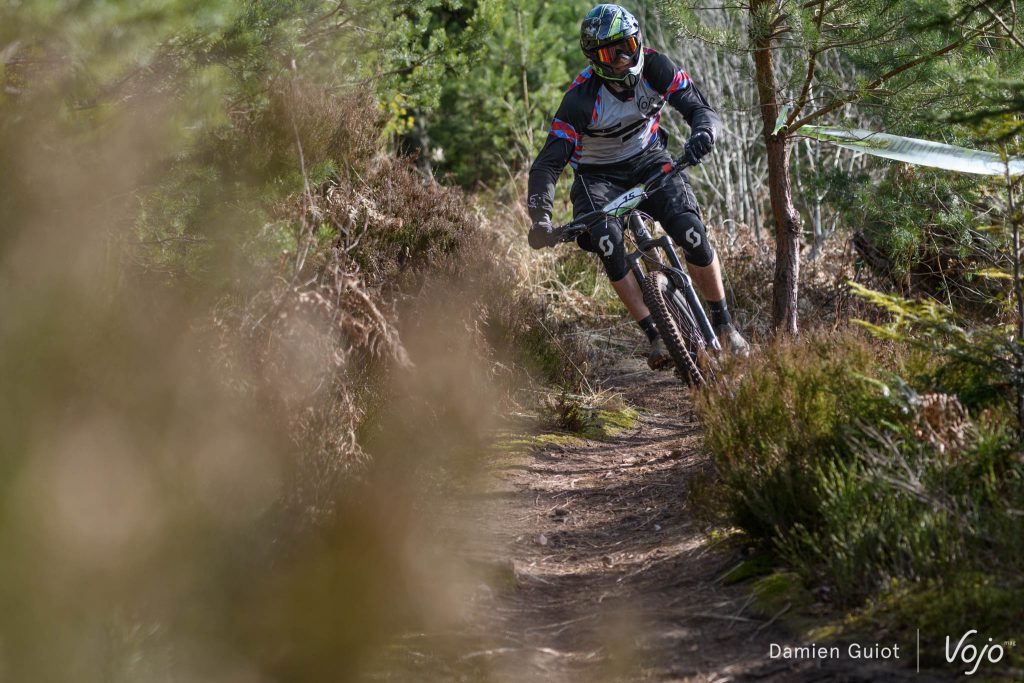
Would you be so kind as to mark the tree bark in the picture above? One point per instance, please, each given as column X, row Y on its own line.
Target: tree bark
column 780, row 189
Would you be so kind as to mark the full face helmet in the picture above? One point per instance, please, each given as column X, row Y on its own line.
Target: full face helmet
column 611, row 39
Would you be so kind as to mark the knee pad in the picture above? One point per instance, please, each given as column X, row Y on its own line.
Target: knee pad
column 605, row 240
column 687, row 230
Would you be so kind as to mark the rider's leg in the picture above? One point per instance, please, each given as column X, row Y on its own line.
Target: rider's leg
column 629, row 292
column 708, row 279
column 687, row 230
column 680, row 218
column 605, row 240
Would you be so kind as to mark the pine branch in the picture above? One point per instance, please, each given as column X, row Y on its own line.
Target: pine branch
column 812, row 63
column 889, row 75
column 1009, row 31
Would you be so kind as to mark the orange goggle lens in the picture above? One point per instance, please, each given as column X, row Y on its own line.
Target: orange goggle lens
column 610, row 53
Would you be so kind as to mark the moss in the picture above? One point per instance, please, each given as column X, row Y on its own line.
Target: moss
column 758, row 565
column 523, row 442
column 603, row 424
column 589, row 424
column 780, row 591
column 726, row 534
column 969, row 600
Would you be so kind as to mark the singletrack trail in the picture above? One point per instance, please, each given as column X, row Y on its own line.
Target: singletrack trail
column 607, row 573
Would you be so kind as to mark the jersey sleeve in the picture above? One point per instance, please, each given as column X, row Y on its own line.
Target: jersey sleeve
column 675, row 85
column 562, row 141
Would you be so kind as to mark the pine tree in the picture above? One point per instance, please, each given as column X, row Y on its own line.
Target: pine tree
column 902, row 47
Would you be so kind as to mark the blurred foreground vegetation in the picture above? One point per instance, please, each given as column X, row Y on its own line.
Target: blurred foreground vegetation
column 244, row 346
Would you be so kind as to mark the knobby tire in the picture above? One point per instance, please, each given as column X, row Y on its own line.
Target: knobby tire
column 675, row 327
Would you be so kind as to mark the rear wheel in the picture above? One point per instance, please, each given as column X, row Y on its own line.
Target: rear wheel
column 677, row 327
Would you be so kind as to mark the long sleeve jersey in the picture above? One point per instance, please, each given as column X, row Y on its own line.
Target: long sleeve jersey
column 594, row 126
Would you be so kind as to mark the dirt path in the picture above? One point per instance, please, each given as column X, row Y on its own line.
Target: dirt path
column 614, row 575
column 603, row 573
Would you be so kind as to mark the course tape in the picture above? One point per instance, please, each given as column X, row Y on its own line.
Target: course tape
column 914, row 151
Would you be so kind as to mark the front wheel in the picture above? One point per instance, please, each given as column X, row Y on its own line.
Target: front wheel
column 677, row 327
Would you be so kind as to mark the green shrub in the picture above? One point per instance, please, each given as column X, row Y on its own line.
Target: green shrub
column 955, row 605
column 982, row 365
column 857, row 481
column 772, row 428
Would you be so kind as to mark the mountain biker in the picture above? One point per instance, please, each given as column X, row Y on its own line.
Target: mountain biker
column 606, row 128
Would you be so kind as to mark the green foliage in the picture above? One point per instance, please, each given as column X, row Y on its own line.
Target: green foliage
column 783, row 419
column 982, row 365
column 495, row 109
column 425, row 45
column 930, row 232
column 859, row 482
column 936, row 608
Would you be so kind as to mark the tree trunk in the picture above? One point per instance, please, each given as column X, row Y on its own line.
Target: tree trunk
column 780, row 190
column 787, row 237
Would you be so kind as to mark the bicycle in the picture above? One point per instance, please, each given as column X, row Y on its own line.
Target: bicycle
column 667, row 289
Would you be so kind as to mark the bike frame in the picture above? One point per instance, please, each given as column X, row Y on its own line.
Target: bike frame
column 624, row 206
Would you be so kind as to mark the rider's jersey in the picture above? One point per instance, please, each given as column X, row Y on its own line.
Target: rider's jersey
column 596, row 127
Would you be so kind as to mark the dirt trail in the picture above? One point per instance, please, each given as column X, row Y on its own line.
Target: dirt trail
column 613, row 577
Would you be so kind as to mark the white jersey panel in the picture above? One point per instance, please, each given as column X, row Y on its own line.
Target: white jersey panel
column 620, row 129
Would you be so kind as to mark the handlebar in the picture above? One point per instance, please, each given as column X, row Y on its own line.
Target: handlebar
column 580, row 224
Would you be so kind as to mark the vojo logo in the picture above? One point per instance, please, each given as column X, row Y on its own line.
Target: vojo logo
column 967, row 653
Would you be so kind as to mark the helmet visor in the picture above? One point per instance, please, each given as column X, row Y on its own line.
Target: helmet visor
column 609, row 54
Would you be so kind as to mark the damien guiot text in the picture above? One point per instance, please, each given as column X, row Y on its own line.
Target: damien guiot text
column 851, row 651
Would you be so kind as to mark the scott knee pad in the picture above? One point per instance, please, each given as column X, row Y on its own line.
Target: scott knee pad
column 688, row 231
column 605, row 240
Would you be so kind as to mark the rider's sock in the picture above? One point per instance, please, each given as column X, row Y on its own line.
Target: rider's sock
column 647, row 325
column 719, row 313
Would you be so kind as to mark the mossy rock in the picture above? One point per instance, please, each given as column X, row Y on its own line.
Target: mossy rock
column 603, row 424
column 780, row 591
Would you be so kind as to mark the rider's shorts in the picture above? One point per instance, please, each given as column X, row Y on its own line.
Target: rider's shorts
column 674, row 206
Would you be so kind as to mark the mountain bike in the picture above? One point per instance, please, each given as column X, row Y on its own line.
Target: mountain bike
column 667, row 288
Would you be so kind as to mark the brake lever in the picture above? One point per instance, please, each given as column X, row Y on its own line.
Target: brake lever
column 687, row 161
column 568, row 232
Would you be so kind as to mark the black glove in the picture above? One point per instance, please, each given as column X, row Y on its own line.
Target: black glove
column 541, row 234
column 699, row 145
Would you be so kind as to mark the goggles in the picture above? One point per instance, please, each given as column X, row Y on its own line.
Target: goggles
column 609, row 54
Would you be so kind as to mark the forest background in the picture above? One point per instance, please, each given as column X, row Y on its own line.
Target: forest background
column 266, row 297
